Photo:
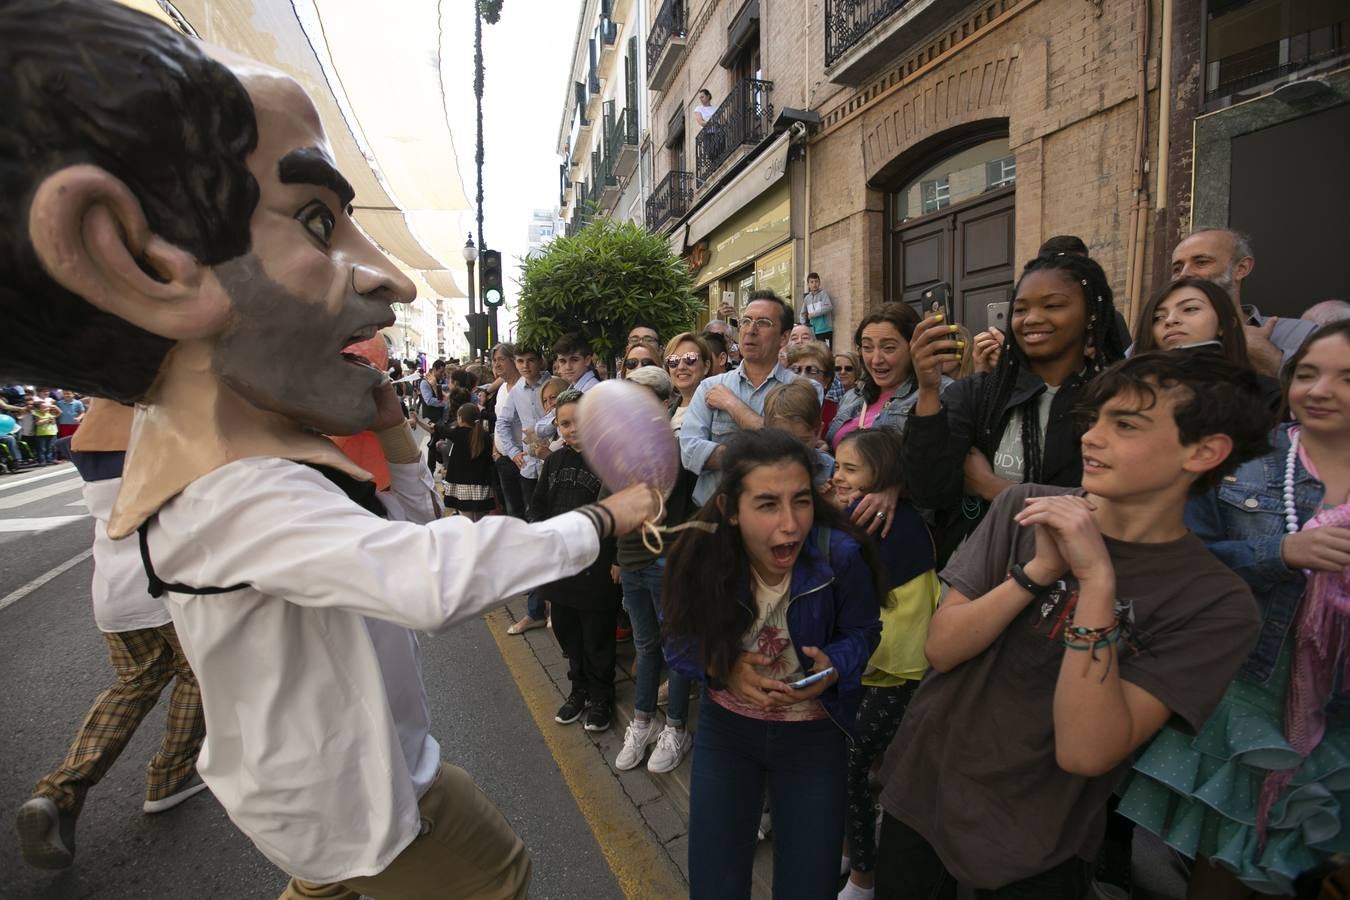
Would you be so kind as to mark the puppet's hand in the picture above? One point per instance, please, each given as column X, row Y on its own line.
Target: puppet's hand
column 388, row 412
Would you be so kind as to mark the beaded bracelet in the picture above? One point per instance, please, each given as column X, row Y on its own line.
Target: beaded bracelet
column 1092, row 640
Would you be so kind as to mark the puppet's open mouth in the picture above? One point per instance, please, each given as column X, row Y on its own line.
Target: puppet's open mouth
column 354, row 344
column 356, row 359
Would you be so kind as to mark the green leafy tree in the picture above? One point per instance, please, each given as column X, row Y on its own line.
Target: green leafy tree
column 600, row 281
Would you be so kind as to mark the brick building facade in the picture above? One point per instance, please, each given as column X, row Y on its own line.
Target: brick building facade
column 1038, row 109
column 894, row 144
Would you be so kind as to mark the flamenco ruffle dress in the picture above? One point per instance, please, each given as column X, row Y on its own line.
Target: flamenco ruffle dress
column 1263, row 790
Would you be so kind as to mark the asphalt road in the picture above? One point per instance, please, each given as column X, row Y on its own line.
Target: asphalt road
column 53, row 663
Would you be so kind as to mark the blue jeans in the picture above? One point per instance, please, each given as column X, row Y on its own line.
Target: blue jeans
column 42, row 446
column 642, row 599
column 804, row 764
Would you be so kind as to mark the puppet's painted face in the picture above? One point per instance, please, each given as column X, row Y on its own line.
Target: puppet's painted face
column 312, row 284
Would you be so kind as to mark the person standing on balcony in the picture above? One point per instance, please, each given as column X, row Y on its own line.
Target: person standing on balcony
column 817, row 309
column 712, row 137
column 703, row 107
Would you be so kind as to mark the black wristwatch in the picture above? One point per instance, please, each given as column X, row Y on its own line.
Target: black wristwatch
column 1019, row 575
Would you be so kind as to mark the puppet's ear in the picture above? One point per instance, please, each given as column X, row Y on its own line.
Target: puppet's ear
column 92, row 237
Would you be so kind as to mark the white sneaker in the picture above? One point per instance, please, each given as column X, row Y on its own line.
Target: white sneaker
column 636, row 739
column 852, row 891
column 671, row 746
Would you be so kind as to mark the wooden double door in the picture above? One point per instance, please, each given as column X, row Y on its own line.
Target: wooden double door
column 970, row 246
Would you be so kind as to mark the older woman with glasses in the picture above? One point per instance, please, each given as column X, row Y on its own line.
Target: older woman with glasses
column 689, row 359
column 847, row 367
column 813, row 360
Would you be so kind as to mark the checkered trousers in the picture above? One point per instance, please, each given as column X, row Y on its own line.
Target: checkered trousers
column 144, row 661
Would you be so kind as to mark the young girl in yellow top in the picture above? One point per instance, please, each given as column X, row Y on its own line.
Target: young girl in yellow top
column 869, row 461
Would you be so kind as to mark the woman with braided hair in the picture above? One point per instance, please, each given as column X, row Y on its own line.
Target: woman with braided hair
column 966, row 444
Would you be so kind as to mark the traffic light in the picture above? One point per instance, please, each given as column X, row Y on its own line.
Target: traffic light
column 477, row 332
column 491, row 263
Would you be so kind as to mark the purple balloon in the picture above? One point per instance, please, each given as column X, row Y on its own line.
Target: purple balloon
column 626, row 437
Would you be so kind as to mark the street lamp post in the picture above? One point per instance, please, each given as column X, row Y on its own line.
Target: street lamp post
column 471, row 256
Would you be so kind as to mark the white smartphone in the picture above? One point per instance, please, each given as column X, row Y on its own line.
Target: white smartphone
column 811, row 679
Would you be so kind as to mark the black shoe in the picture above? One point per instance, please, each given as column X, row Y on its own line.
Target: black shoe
column 46, row 835
column 597, row 717
column 570, row 711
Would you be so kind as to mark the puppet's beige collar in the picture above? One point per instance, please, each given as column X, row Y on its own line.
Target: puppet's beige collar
column 190, row 426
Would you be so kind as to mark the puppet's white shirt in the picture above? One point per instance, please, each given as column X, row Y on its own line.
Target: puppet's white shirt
column 121, row 602
column 318, row 740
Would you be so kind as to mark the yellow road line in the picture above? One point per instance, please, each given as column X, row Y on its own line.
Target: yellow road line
column 632, row 852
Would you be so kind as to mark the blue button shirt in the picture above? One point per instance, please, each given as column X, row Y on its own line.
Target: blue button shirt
column 705, row 429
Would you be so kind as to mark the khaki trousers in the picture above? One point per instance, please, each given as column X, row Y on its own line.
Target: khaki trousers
column 466, row 851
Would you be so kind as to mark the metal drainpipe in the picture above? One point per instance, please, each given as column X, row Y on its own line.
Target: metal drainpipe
column 1164, row 107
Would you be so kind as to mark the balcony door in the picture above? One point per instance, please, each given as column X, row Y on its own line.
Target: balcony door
column 954, row 223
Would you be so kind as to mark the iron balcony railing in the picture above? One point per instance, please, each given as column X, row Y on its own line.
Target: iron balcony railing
column 847, row 21
column 669, row 22
column 1240, row 71
column 745, row 117
column 623, row 131
column 581, row 217
column 670, row 200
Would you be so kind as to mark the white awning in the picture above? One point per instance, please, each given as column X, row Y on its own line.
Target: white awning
column 404, row 130
column 748, row 184
column 388, row 228
column 443, row 283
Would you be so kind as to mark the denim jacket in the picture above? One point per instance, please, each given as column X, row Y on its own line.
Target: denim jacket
column 894, row 412
column 1242, row 522
column 831, row 605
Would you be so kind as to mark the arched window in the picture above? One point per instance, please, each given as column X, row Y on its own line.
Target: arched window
column 954, row 223
column 960, row 177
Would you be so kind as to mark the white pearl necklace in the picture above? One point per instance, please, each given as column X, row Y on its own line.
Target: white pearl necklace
column 1290, row 511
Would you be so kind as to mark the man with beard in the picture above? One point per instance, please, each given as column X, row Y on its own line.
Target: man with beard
column 1225, row 258
column 174, row 233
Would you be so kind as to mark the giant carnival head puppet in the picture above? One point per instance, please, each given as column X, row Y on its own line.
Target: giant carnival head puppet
column 176, row 235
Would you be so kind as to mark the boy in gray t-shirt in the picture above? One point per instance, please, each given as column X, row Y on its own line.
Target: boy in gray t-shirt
column 1074, row 625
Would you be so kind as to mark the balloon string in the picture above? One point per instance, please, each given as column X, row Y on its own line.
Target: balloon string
column 653, row 533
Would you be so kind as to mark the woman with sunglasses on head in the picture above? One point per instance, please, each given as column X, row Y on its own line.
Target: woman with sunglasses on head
column 689, row 359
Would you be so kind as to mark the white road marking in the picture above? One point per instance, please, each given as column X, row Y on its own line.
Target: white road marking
column 78, row 503
column 15, row 596
column 38, row 523
column 23, row 498
column 53, row 473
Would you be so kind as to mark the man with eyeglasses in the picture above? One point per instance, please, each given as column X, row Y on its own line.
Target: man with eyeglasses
column 644, row 335
column 727, row 403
